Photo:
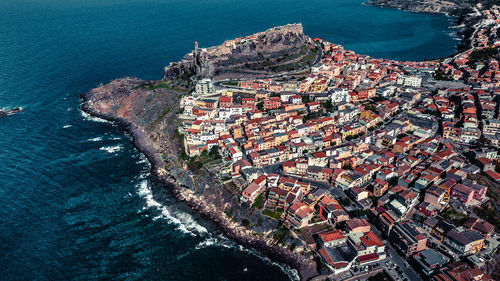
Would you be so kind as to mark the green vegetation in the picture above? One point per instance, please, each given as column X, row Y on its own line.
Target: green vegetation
column 281, row 234
column 316, row 219
column 483, row 55
column 328, row 105
column 453, row 215
column 156, row 85
column 196, row 163
column 259, row 201
column 488, row 213
column 347, row 167
column 246, row 223
column 272, row 214
column 353, row 137
column 491, row 193
column 260, row 106
column 438, row 75
column 231, row 83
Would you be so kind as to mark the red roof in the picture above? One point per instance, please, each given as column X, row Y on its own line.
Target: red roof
column 368, row 257
column 493, row 175
column 370, row 239
column 331, row 236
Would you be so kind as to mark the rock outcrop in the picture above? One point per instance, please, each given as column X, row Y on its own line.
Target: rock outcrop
column 253, row 54
column 148, row 111
column 427, row 6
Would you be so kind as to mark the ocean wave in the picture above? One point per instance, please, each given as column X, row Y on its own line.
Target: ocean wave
column 206, row 243
column 95, row 139
column 112, row 149
column 67, row 126
column 89, row 117
column 222, row 241
column 292, row 273
column 184, row 221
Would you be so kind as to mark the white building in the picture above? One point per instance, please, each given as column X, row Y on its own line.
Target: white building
column 410, row 80
column 205, row 87
column 339, row 95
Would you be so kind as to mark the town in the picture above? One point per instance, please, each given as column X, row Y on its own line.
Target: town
column 374, row 165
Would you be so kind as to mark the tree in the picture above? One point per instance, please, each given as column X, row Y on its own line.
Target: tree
column 328, row 106
column 260, row 106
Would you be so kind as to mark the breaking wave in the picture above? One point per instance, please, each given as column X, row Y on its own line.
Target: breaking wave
column 89, row 117
column 67, row 126
column 184, row 221
column 95, row 139
column 111, row 149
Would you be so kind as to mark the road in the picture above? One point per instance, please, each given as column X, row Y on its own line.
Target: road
column 408, row 271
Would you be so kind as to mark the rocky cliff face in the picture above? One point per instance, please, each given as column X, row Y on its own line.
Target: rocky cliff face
column 148, row 111
column 239, row 54
column 428, row 6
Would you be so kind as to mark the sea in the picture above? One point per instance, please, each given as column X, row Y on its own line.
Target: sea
column 77, row 201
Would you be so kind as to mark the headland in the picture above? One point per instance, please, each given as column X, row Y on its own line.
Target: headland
column 312, row 154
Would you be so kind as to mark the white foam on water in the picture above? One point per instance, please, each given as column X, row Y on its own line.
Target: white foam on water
column 89, row 117
column 67, row 126
column 184, row 222
column 188, row 225
column 95, row 139
column 206, row 243
column 111, row 149
column 222, row 241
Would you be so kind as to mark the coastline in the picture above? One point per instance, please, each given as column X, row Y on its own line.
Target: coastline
column 231, row 230
column 306, row 266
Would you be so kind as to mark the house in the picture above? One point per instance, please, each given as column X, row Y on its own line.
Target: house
column 429, row 261
column 253, row 190
column 379, row 187
column 298, row 215
column 332, row 238
column 436, row 196
column 479, row 225
column 368, row 246
column 462, row 193
column 355, row 225
column 358, row 194
column 465, row 243
column 461, row 271
column 485, row 164
column 407, row 239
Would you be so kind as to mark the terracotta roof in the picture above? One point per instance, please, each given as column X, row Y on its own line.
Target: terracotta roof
column 370, row 239
column 331, row 236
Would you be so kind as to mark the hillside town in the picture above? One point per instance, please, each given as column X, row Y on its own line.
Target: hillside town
column 372, row 164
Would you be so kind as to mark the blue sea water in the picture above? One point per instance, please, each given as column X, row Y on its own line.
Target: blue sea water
column 76, row 198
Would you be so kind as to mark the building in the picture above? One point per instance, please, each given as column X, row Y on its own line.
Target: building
column 253, row 190
column 205, row 87
column 407, row 239
column 339, row 95
column 298, row 215
column 332, row 238
column 479, row 225
column 465, row 243
column 410, row 80
column 461, row 271
column 430, row 261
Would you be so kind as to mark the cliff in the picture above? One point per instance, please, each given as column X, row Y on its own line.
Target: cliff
column 451, row 7
column 148, row 110
column 278, row 49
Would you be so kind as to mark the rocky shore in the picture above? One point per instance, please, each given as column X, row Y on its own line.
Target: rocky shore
column 128, row 102
column 450, row 7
